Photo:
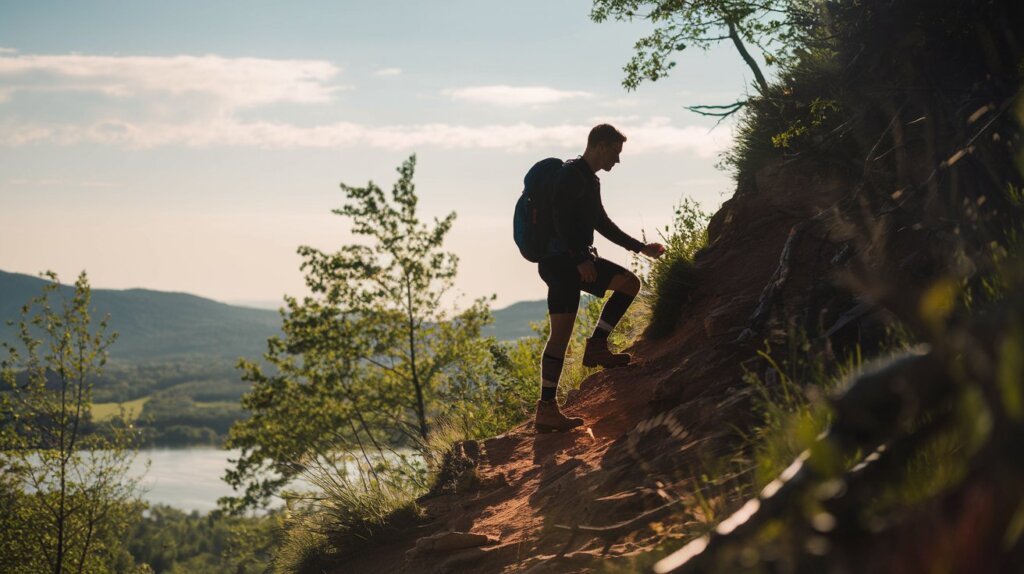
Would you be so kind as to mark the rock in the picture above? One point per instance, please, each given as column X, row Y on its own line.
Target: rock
column 460, row 560
column 571, row 396
column 725, row 317
column 450, row 541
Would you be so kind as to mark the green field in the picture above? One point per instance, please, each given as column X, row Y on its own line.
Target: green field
column 102, row 412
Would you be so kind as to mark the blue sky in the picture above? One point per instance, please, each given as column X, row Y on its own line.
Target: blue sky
column 192, row 146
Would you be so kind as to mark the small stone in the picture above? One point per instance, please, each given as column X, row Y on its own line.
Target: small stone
column 449, row 541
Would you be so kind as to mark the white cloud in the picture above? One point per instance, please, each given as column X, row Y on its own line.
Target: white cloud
column 388, row 72
column 514, row 95
column 62, row 183
column 614, row 120
column 624, row 103
column 659, row 134
column 652, row 136
column 232, row 82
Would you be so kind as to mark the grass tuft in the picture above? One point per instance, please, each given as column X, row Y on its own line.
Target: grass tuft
column 672, row 293
column 672, row 278
column 353, row 507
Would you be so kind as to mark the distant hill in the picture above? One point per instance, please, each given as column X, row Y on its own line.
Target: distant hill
column 513, row 321
column 163, row 325
column 157, row 324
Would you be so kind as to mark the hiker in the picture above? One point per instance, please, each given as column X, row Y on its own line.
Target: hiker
column 572, row 265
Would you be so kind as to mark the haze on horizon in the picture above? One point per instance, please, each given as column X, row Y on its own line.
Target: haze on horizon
column 192, row 146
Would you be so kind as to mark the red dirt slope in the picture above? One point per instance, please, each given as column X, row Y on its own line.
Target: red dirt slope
column 648, row 424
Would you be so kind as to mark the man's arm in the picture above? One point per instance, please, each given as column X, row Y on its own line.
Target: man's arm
column 607, row 228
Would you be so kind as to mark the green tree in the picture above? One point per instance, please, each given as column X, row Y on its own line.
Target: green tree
column 68, row 496
column 769, row 25
column 367, row 361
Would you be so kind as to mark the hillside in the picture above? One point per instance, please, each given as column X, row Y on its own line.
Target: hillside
column 174, row 359
column 514, row 321
column 889, row 231
column 158, row 325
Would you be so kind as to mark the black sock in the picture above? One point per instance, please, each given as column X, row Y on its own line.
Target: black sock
column 613, row 311
column 550, row 372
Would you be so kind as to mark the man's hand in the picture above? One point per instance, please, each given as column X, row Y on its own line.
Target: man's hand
column 588, row 272
column 653, row 250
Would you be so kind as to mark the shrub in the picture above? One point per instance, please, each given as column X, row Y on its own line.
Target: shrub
column 672, row 277
column 353, row 507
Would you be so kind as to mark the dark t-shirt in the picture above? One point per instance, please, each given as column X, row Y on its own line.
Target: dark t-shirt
column 578, row 212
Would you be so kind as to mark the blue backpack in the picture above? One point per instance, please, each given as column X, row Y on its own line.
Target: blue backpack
column 532, row 225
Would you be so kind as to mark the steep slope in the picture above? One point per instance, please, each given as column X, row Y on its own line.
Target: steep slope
column 908, row 195
column 648, row 425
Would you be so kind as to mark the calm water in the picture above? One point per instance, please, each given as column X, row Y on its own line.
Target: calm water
column 189, row 478
column 185, row 478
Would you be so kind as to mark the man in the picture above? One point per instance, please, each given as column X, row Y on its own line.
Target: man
column 573, row 265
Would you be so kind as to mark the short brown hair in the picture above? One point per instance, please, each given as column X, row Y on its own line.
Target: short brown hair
column 604, row 133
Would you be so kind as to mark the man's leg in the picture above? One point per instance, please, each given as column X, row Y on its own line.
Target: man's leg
column 554, row 353
column 625, row 287
column 549, row 417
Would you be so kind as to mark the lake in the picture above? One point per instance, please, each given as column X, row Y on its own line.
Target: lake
column 185, row 478
column 190, row 478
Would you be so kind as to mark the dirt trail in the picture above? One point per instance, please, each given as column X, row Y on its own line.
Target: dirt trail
column 648, row 425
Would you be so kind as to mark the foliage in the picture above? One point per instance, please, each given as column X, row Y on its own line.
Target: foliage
column 672, row 277
column 167, row 411
column 68, row 493
column 352, row 507
column 167, row 540
column 771, row 26
column 202, row 378
column 790, row 398
column 803, row 113
column 492, row 391
column 386, row 381
column 818, row 112
column 372, row 357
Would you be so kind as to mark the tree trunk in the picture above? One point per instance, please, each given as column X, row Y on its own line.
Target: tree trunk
column 58, row 566
column 421, row 411
column 762, row 85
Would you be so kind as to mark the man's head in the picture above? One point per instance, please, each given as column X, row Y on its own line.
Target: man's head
column 604, row 144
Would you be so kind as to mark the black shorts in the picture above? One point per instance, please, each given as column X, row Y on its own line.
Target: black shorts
column 564, row 284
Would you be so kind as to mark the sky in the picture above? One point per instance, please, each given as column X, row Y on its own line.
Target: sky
column 194, row 145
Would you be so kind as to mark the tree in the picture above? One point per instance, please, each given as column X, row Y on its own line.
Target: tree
column 366, row 361
column 68, row 496
column 769, row 25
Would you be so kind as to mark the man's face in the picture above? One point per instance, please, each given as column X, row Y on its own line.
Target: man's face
column 610, row 155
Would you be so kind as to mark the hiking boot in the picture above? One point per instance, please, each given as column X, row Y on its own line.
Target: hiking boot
column 550, row 419
column 597, row 353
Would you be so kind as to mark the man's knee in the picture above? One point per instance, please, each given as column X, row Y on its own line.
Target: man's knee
column 627, row 283
column 635, row 283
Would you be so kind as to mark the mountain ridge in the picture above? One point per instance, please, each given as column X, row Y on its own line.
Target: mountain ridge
column 158, row 325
